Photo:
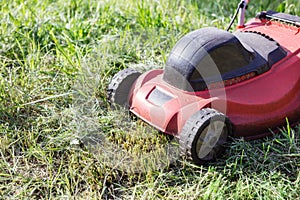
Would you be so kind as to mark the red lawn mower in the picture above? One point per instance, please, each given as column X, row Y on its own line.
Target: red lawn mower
column 217, row 84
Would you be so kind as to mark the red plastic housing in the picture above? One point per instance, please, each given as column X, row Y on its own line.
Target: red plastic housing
column 255, row 105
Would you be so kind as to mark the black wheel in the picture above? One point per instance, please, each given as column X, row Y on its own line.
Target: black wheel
column 204, row 134
column 119, row 88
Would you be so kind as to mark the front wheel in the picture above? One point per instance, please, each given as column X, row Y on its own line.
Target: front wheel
column 204, row 134
column 118, row 90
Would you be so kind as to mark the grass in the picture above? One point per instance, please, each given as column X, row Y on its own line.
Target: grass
column 59, row 139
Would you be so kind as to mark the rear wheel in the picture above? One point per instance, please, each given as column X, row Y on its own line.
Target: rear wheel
column 204, row 134
column 118, row 91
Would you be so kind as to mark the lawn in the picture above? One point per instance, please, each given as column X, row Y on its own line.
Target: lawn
column 59, row 137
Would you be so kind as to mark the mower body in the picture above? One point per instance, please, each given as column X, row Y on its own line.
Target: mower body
column 254, row 80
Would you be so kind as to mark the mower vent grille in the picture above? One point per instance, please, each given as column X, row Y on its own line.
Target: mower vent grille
column 264, row 35
column 281, row 17
column 232, row 81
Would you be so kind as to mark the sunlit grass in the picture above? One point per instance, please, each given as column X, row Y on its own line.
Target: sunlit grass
column 59, row 138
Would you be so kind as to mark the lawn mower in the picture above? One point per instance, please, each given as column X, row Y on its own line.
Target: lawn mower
column 218, row 84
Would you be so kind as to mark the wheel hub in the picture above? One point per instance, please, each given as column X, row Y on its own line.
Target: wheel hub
column 211, row 137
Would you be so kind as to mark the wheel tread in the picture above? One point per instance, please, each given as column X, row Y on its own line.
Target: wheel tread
column 192, row 126
column 116, row 81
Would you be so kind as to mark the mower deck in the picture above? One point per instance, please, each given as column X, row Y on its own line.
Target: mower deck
column 216, row 83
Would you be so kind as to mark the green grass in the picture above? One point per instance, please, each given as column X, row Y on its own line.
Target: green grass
column 59, row 139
